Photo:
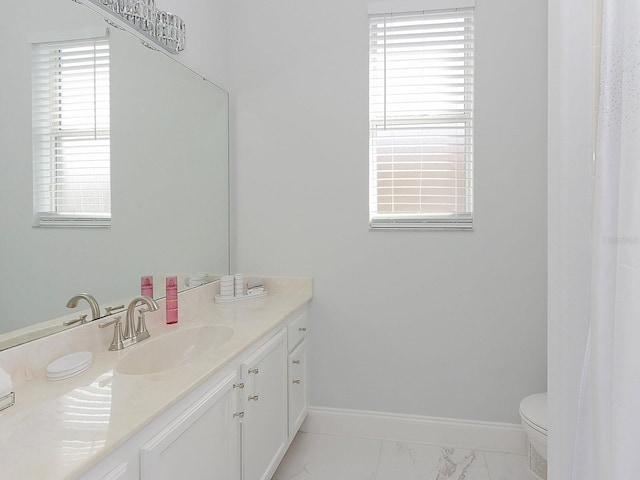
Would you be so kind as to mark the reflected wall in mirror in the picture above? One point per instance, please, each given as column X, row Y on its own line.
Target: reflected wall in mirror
column 169, row 175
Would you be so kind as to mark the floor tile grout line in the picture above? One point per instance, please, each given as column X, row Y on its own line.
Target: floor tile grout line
column 375, row 474
column 486, row 464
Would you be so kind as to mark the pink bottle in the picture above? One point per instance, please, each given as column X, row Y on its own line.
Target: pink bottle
column 172, row 300
column 146, row 286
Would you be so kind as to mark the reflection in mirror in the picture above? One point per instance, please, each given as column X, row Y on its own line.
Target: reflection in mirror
column 169, row 177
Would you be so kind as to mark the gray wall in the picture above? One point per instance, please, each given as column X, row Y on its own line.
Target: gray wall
column 447, row 324
column 207, row 50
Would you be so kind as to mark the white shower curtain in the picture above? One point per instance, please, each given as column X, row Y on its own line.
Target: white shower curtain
column 607, row 445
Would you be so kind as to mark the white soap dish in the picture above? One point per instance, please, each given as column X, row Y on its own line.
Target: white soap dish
column 69, row 366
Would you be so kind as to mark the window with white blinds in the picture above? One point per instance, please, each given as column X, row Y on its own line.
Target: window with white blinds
column 421, row 119
column 71, row 133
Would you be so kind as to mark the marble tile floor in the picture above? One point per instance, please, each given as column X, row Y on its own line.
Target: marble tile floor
column 328, row 457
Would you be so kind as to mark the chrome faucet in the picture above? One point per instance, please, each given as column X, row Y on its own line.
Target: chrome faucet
column 132, row 334
column 139, row 334
column 95, row 308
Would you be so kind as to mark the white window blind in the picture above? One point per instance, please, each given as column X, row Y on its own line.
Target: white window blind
column 421, row 119
column 71, row 133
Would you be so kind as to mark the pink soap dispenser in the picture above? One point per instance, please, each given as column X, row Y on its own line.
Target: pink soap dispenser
column 172, row 300
column 146, row 286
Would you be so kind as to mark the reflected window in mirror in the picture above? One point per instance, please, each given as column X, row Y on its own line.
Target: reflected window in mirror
column 71, row 133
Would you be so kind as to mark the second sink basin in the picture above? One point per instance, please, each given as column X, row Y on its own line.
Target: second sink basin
column 173, row 349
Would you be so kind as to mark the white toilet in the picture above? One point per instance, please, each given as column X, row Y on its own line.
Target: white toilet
column 533, row 412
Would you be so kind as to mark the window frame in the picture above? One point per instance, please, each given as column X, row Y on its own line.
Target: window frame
column 52, row 135
column 415, row 220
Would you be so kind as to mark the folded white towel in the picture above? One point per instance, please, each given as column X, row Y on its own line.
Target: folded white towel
column 5, row 383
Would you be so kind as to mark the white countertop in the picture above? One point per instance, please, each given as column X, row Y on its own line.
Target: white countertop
column 58, row 430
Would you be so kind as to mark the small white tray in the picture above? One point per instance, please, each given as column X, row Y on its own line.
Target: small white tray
column 221, row 299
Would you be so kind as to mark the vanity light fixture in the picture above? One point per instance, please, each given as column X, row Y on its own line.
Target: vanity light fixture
column 152, row 26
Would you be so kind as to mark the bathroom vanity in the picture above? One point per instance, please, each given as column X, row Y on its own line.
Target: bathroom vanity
column 221, row 394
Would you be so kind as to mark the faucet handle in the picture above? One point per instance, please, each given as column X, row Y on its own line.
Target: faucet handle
column 118, row 339
column 141, row 328
column 80, row 319
column 110, row 310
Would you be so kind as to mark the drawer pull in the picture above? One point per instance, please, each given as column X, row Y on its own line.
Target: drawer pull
column 297, row 382
column 238, row 385
column 302, row 329
column 253, row 397
column 296, row 362
column 238, row 414
column 254, row 370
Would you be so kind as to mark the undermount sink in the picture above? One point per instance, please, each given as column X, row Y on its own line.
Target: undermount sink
column 173, row 349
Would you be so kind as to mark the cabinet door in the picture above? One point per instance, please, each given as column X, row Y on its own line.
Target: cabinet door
column 107, row 471
column 118, row 473
column 202, row 443
column 264, row 426
column 298, row 387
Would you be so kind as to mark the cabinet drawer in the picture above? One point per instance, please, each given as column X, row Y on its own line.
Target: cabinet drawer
column 297, row 330
column 298, row 390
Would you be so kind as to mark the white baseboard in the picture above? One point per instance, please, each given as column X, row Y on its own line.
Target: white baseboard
column 488, row 436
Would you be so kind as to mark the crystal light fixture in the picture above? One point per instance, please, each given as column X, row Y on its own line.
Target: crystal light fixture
column 143, row 19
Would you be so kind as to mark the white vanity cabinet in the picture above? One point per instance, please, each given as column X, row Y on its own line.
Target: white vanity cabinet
column 264, row 425
column 202, row 443
column 237, row 425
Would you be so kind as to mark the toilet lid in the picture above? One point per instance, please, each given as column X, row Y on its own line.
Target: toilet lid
column 533, row 410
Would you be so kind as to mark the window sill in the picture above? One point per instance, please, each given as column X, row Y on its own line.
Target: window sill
column 421, row 224
column 60, row 221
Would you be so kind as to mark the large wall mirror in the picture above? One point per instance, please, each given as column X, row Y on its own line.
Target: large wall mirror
column 169, row 175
